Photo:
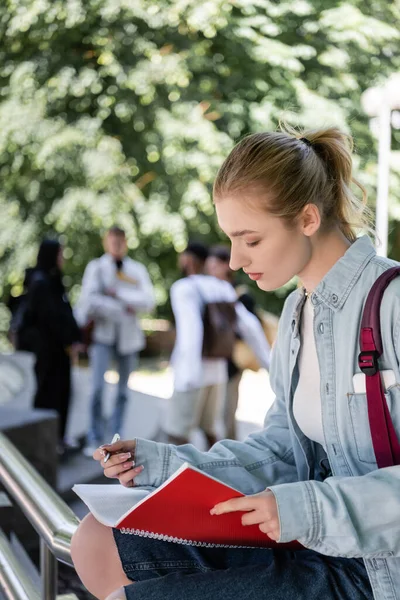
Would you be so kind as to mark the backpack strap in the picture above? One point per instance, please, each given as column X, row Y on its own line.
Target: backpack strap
column 384, row 439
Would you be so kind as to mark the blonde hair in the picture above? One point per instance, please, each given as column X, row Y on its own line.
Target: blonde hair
column 295, row 169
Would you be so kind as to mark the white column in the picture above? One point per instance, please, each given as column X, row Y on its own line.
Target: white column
column 382, row 200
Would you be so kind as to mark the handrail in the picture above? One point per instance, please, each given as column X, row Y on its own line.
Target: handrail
column 52, row 519
column 14, row 582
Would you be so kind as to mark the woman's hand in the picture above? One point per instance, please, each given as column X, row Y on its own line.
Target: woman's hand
column 261, row 509
column 121, row 464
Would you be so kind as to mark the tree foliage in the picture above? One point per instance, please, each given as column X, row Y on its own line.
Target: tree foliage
column 121, row 111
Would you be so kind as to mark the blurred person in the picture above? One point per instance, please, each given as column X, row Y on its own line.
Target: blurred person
column 200, row 382
column 217, row 265
column 115, row 289
column 48, row 329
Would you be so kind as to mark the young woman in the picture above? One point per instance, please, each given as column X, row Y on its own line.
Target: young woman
column 50, row 331
column 287, row 206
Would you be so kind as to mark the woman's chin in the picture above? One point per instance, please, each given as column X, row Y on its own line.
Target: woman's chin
column 269, row 286
column 264, row 285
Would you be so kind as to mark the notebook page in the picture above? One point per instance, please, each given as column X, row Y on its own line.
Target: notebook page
column 108, row 503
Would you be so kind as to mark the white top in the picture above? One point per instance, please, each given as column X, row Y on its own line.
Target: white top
column 307, row 397
column 114, row 325
column 188, row 296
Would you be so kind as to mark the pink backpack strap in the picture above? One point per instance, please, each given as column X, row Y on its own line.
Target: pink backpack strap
column 384, row 438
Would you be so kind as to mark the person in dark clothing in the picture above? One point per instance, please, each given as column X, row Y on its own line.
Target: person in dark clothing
column 49, row 330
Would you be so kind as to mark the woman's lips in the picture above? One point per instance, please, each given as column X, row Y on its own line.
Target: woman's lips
column 254, row 276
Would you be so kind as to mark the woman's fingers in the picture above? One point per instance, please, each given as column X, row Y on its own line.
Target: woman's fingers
column 272, row 533
column 99, row 454
column 127, row 479
column 121, row 464
column 252, row 518
column 115, row 471
column 116, row 459
column 244, row 503
column 122, row 446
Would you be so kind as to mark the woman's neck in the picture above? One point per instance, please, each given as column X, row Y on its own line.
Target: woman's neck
column 326, row 250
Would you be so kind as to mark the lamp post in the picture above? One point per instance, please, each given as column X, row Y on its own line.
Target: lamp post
column 379, row 102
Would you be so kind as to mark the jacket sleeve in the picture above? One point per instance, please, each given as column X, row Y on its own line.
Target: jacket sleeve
column 343, row 516
column 264, row 458
column 93, row 303
column 187, row 353
column 249, row 328
column 140, row 297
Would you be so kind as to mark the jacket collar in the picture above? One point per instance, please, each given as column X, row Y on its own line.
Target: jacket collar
column 107, row 258
column 337, row 284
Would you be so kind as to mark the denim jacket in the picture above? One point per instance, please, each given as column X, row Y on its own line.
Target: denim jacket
column 355, row 511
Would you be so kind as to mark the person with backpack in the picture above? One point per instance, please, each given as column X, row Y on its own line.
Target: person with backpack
column 207, row 316
column 325, row 470
column 45, row 325
column 217, row 265
column 115, row 290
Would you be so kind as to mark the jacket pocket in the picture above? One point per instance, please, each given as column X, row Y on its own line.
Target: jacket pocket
column 358, row 407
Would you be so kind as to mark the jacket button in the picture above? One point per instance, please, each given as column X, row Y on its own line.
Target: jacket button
column 321, row 328
column 334, row 298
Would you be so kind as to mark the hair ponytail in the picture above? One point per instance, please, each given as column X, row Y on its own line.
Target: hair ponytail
column 335, row 149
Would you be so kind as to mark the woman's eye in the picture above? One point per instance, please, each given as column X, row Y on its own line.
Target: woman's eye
column 252, row 244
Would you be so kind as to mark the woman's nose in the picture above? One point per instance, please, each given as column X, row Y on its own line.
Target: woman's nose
column 238, row 260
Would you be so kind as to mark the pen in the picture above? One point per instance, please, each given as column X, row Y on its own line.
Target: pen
column 115, row 439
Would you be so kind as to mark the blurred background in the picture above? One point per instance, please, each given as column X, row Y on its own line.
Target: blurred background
column 120, row 112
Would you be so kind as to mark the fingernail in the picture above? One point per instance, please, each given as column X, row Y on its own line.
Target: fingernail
column 140, row 468
column 103, row 452
column 125, row 456
column 128, row 465
column 213, row 511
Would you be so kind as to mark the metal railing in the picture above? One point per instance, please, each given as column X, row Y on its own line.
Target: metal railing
column 14, row 582
column 52, row 519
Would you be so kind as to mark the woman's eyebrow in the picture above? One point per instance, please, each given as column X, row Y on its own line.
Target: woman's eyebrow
column 242, row 232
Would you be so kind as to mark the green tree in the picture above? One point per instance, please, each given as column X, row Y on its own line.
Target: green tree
column 121, row 111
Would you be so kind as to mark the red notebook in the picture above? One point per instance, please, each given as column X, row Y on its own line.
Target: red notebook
column 178, row 511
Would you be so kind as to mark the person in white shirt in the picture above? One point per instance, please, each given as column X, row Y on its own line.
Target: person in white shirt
column 115, row 289
column 200, row 383
column 217, row 264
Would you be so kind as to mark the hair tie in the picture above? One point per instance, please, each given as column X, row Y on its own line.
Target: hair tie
column 306, row 141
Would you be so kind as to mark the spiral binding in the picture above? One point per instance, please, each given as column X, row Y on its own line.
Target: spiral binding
column 176, row 540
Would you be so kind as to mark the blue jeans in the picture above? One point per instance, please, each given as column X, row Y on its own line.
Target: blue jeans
column 100, row 358
column 168, row 571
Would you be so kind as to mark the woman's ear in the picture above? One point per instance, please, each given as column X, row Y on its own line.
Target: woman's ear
column 310, row 220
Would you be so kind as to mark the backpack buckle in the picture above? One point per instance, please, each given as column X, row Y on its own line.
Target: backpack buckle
column 368, row 362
